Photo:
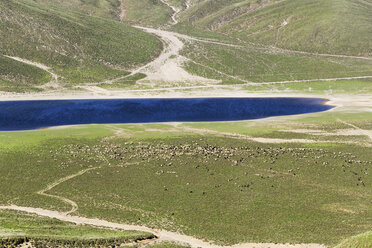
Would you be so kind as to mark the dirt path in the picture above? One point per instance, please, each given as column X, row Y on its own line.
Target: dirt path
column 188, row 4
column 122, row 11
column 221, row 73
column 62, row 180
column 97, row 91
column 357, row 130
column 204, row 131
column 310, row 80
column 52, row 84
column 175, row 10
column 322, row 54
column 161, row 234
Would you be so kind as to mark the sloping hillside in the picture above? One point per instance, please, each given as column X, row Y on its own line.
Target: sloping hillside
column 154, row 13
column 145, row 12
column 102, row 8
column 79, row 48
column 17, row 76
column 322, row 26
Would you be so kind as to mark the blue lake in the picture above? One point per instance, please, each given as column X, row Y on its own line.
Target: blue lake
column 27, row 115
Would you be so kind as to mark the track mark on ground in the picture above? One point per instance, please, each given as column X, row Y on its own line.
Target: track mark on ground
column 52, row 84
column 358, row 130
column 62, row 180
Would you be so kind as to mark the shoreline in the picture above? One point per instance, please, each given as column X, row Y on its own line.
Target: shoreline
column 336, row 100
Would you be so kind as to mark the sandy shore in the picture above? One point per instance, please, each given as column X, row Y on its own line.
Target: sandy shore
column 340, row 101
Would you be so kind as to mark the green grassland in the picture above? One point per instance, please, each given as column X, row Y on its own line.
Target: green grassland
column 203, row 183
column 361, row 241
column 153, row 13
column 80, row 48
column 256, row 64
column 17, row 228
column 333, row 26
column 104, row 8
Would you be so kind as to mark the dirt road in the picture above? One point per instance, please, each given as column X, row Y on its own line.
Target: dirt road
column 161, row 234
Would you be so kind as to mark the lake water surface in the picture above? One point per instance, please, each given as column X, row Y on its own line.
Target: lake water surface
column 27, row 115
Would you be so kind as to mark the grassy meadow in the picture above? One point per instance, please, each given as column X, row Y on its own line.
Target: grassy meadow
column 198, row 178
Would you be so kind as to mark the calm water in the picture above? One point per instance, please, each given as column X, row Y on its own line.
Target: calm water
column 26, row 115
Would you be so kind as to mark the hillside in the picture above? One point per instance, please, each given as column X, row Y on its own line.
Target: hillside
column 79, row 48
column 153, row 13
column 17, row 76
column 332, row 26
column 103, row 8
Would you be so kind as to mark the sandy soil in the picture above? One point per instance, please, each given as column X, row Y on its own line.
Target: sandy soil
column 168, row 66
column 359, row 103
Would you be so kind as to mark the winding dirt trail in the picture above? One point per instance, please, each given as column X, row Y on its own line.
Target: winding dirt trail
column 52, row 84
column 175, row 10
column 168, row 66
column 161, row 234
column 62, row 180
